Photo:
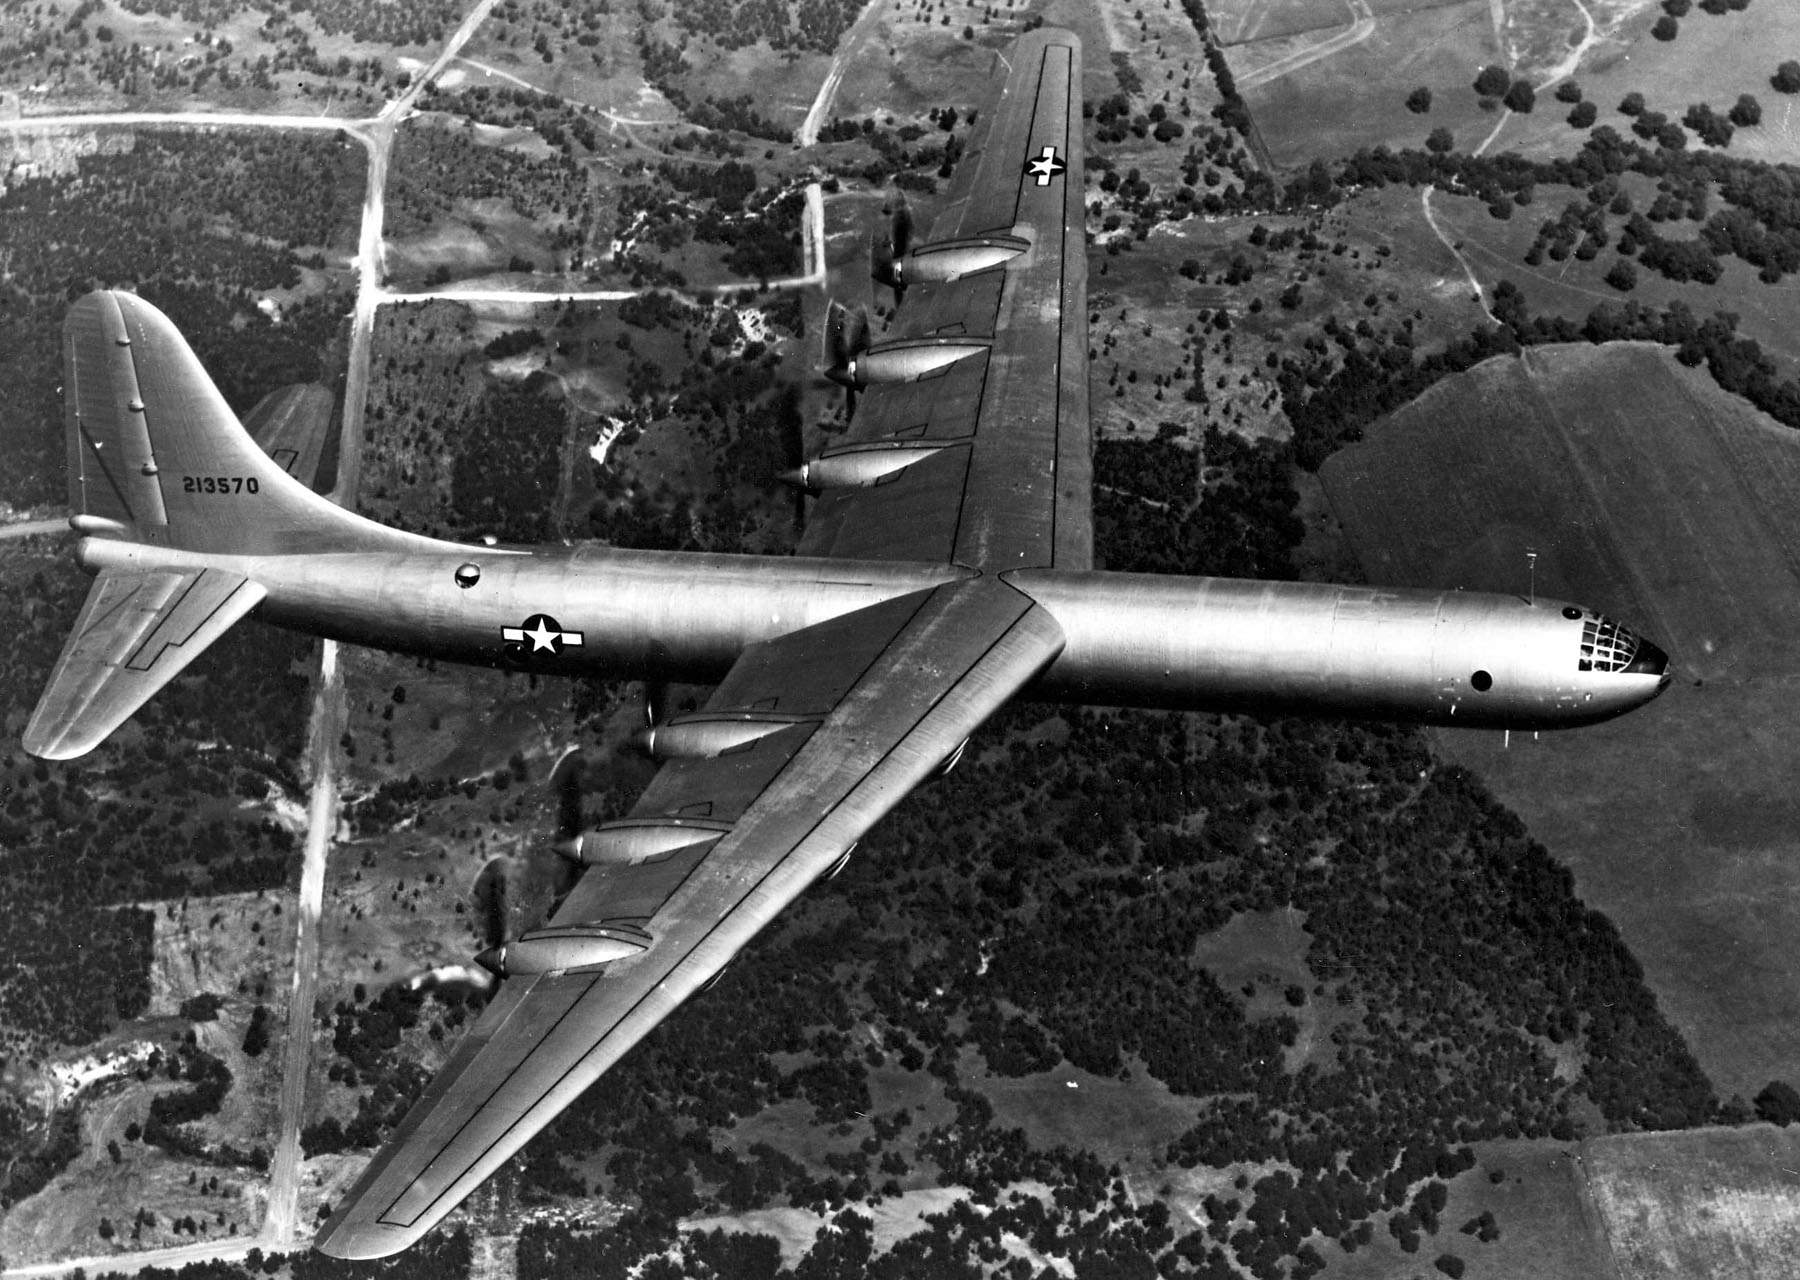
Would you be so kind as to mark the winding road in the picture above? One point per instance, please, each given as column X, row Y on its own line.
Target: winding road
column 1560, row 72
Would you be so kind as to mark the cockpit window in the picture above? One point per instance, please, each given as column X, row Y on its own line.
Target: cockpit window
column 1606, row 646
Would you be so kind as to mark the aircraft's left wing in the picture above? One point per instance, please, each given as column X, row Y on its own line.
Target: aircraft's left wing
column 135, row 633
column 859, row 710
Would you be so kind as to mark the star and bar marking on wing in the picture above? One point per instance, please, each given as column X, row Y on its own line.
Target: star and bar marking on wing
column 543, row 633
column 1044, row 166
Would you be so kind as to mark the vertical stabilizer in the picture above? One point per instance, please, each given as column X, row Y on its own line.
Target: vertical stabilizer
column 156, row 455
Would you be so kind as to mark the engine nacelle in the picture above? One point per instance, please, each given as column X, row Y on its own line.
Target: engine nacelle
column 857, row 466
column 563, row 947
column 701, row 735
column 903, row 360
column 640, row 839
column 943, row 261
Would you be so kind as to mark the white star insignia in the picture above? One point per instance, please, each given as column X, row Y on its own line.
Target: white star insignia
column 544, row 633
column 1044, row 166
column 543, row 639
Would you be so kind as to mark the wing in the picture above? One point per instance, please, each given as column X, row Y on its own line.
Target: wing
column 847, row 716
column 134, row 633
column 1008, row 478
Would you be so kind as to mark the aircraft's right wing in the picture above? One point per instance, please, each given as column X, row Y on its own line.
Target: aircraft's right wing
column 994, row 454
column 858, row 711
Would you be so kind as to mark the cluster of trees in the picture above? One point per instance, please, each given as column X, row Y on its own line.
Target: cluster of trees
column 814, row 26
column 436, row 166
column 1497, row 83
column 717, row 204
column 209, row 1080
column 558, row 121
column 508, row 462
column 1154, row 513
column 368, row 1039
column 35, row 1153
column 1231, row 111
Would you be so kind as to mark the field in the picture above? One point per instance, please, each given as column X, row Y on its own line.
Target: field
column 1356, row 96
column 1708, row 1202
column 1649, row 493
column 1712, row 60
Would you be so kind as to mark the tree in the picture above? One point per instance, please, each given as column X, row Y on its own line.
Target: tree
column 1787, row 77
column 1778, row 1103
column 1441, row 140
column 1677, row 8
column 1450, row 1265
column 1520, row 97
column 1714, row 129
column 1666, row 28
column 1584, row 115
column 1632, row 104
column 1623, row 275
column 1568, row 91
column 256, row 1035
column 1419, row 101
column 1493, row 81
column 1746, row 112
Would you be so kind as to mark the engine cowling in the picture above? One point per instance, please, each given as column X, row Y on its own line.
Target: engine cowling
column 902, row 360
column 639, row 839
column 563, row 947
column 703, row 735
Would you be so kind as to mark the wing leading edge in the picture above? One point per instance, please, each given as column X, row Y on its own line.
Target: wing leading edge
column 933, row 667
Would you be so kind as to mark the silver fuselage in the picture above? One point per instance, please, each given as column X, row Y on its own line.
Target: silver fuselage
column 1131, row 639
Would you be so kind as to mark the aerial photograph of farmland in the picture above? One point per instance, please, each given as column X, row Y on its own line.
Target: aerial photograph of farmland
column 1407, row 296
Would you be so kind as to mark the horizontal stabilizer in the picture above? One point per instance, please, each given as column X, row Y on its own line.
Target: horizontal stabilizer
column 135, row 633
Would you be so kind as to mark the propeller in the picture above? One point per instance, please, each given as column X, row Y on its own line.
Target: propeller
column 846, row 338
column 565, row 782
column 885, row 260
column 656, row 709
column 792, row 426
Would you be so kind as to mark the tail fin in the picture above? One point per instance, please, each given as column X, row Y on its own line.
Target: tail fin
column 156, row 455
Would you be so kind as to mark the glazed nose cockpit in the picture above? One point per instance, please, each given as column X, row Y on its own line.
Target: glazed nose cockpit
column 1612, row 647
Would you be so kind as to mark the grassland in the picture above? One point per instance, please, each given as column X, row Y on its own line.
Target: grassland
column 1712, row 60
column 1710, row 1202
column 1648, row 492
column 1356, row 97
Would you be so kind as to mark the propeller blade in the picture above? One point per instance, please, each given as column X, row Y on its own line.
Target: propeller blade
column 900, row 233
column 837, row 347
column 565, row 780
column 881, row 263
